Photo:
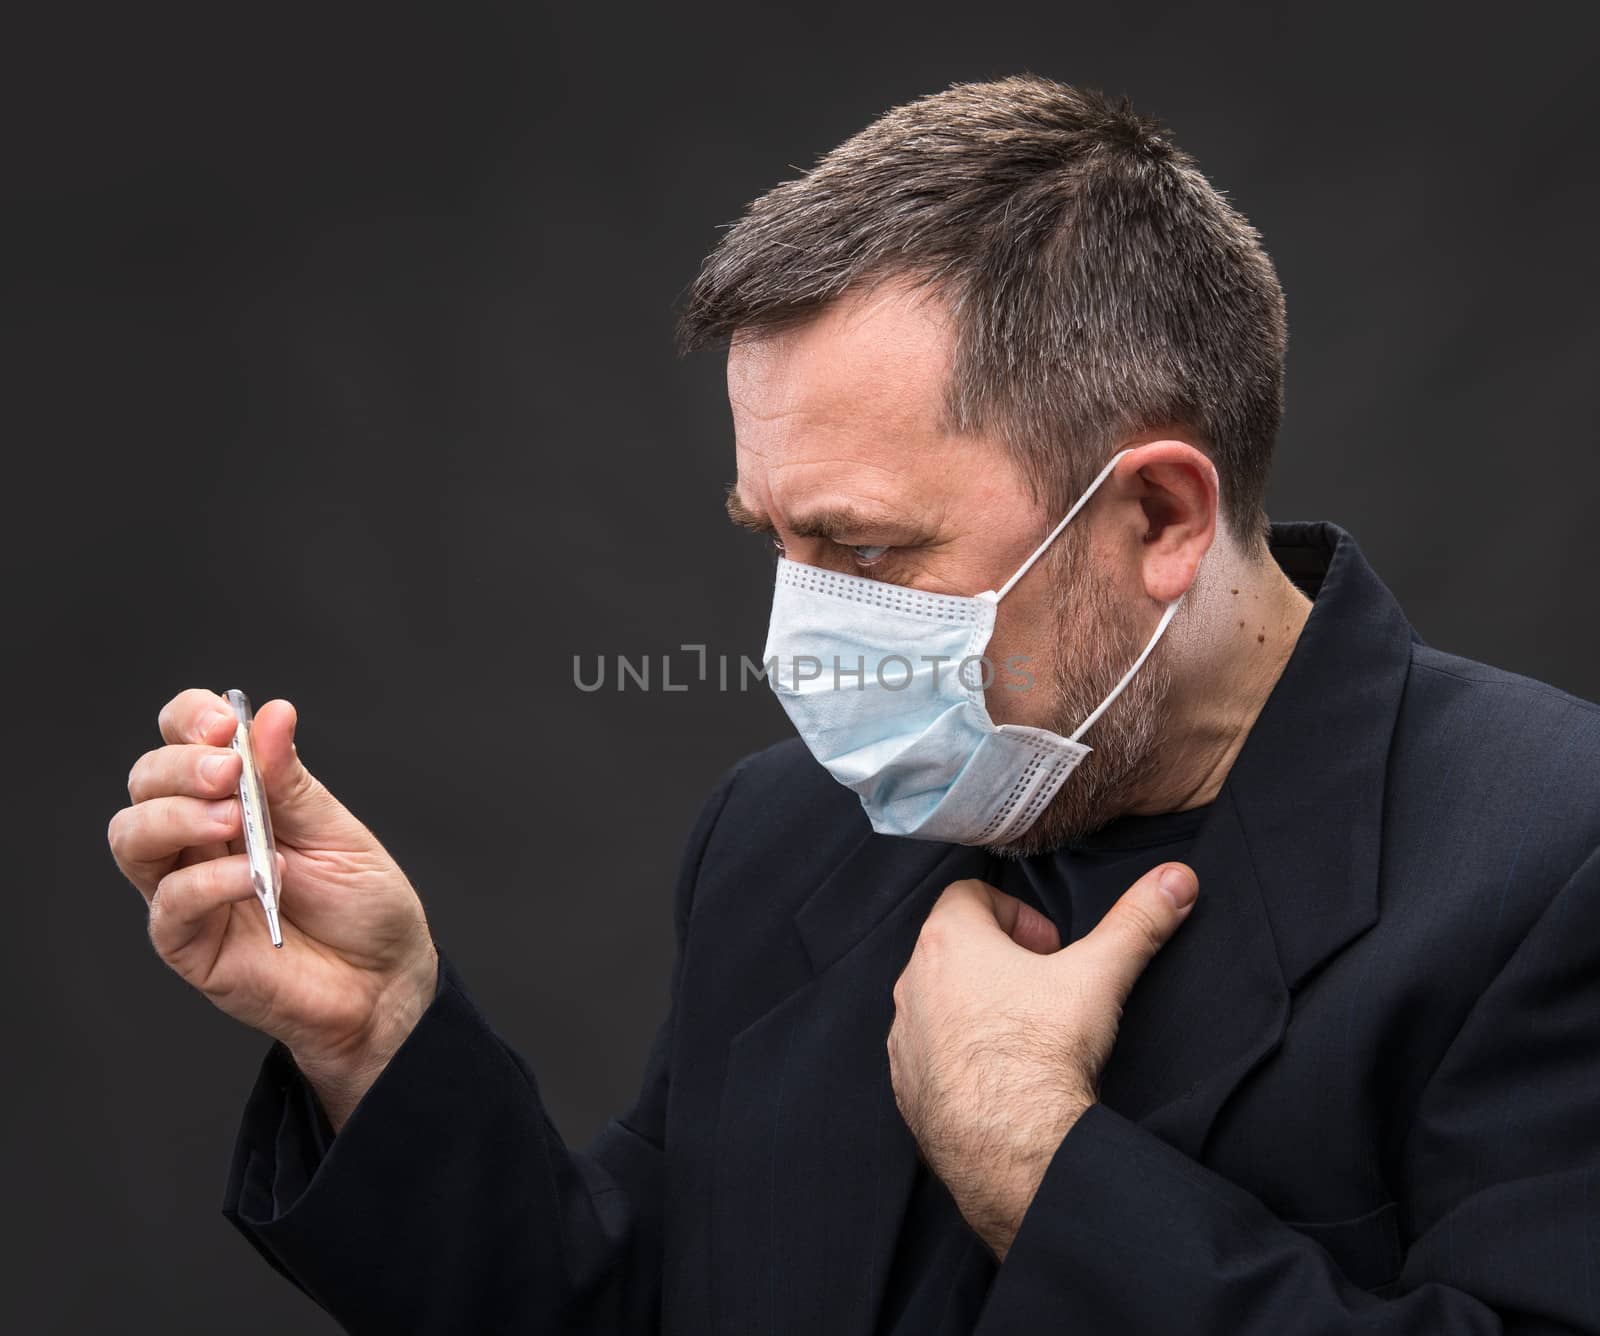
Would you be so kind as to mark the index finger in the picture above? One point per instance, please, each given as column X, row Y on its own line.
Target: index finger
column 195, row 715
column 1020, row 921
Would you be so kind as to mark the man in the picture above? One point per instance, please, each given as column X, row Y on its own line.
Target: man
column 1185, row 947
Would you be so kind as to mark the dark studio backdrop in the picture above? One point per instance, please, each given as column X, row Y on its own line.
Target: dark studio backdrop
column 338, row 363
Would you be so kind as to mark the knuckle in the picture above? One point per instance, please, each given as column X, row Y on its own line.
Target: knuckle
column 158, row 924
column 174, row 893
column 1139, row 924
column 114, row 832
column 170, row 720
column 139, row 771
column 166, row 891
column 180, row 713
column 200, row 879
column 124, row 831
column 935, row 934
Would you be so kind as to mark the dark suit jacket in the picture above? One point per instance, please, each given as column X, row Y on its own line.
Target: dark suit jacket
column 1359, row 1091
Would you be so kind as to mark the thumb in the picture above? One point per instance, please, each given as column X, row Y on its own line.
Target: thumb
column 300, row 806
column 1140, row 924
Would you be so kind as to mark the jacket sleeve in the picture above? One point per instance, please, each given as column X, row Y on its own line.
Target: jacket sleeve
column 449, row 1202
column 1499, row 1200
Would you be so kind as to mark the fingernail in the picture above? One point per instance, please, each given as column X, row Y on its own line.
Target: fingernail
column 1180, row 886
column 211, row 768
column 220, row 811
column 208, row 725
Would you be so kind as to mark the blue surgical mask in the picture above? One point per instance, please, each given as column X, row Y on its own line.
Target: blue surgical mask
column 885, row 685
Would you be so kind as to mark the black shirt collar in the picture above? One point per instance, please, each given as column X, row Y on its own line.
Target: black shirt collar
column 1308, row 781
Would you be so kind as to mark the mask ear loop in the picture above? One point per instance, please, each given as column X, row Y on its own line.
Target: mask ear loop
column 1056, row 532
column 1161, row 626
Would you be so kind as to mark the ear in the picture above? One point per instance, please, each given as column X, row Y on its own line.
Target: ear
column 1176, row 488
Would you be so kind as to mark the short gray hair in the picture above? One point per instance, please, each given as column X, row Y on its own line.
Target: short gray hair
column 1098, row 285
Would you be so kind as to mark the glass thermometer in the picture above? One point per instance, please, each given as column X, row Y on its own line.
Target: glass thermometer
column 257, row 824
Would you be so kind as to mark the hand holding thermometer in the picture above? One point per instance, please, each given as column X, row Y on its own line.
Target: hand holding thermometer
column 257, row 824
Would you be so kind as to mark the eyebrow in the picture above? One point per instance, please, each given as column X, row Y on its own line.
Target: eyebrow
column 742, row 515
column 835, row 523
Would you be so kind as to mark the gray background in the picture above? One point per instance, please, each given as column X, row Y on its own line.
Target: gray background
column 338, row 368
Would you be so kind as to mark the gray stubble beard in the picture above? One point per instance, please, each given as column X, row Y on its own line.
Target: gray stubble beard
column 1126, row 738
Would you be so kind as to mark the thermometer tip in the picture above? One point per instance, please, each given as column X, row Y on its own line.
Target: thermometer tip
column 273, row 927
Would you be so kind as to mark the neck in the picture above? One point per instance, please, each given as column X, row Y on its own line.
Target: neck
column 1249, row 620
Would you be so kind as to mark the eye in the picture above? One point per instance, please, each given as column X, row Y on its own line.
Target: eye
column 865, row 556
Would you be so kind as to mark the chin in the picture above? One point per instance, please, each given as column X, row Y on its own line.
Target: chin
column 1109, row 780
column 1071, row 816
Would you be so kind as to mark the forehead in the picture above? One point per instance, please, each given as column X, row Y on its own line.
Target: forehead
column 874, row 361
column 857, row 390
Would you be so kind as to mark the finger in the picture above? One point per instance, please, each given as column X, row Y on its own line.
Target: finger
column 187, row 769
column 187, row 896
column 1139, row 925
column 983, row 904
column 301, row 807
column 146, row 837
column 196, row 715
column 1026, row 925
column 200, row 853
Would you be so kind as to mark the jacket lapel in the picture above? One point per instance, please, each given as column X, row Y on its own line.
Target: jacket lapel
column 1288, row 857
column 815, row 1163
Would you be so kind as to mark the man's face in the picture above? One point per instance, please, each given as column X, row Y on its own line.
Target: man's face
column 842, row 460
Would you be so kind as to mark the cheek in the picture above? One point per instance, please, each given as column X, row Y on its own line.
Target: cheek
column 1021, row 658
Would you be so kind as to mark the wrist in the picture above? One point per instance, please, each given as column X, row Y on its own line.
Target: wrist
column 1024, row 1170
column 341, row 1075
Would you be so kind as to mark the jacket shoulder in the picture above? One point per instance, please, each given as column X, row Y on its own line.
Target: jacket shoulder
column 1516, row 756
column 776, row 829
column 787, row 767
column 1510, row 690
column 1557, row 729
column 780, row 805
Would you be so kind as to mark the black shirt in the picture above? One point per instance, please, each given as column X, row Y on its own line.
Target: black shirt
column 942, row 1270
